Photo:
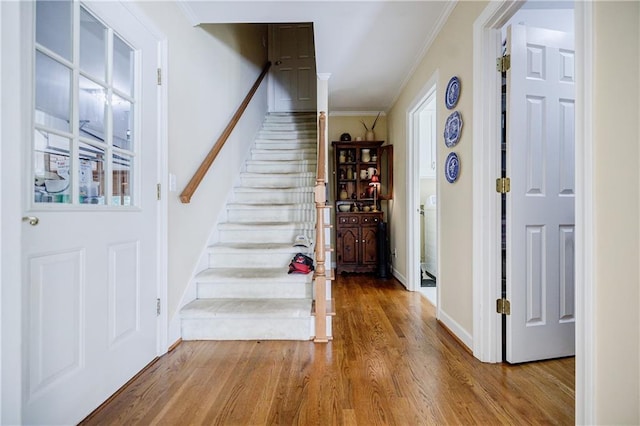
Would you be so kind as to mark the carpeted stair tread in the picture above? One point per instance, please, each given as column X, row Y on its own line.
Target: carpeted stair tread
column 247, row 308
column 258, row 246
column 231, row 274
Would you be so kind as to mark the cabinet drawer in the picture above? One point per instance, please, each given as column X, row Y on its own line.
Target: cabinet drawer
column 367, row 220
column 343, row 220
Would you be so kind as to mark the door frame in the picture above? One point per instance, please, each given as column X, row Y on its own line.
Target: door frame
column 487, row 326
column 14, row 126
column 413, row 190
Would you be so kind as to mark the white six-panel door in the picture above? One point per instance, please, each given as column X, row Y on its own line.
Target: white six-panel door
column 90, row 271
column 540, row 206
column 293, row 70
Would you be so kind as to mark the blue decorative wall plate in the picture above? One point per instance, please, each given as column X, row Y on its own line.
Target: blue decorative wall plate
column 452, row 129
column 452, row 167
column 452, row 93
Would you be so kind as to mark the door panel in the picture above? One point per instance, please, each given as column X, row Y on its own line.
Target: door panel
column 349, row 243
column 124, row 290
column 369, row 245
column 293, row 73
column 55, row 316
column 540, row 206
column 535, row 274
column 567, row 273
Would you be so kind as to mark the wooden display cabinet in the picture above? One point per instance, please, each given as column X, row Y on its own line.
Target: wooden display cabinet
column 356, row 242
column 358, row 201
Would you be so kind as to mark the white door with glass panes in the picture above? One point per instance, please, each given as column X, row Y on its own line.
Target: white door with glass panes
column 90, row 233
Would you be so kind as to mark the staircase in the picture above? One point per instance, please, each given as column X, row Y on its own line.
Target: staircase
column 246, row 292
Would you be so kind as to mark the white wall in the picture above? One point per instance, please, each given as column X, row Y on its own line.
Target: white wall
column 210, row 70
column 617, row 212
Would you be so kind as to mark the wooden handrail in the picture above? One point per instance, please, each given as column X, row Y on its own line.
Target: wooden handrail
column 320, row 276
column 193, row 184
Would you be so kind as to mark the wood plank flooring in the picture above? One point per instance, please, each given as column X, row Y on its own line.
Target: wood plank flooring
column 390, row 363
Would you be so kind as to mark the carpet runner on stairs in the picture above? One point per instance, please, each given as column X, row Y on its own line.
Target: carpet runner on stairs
column 246, row 292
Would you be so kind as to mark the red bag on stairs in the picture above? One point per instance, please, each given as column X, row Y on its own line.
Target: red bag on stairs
column 301, row 264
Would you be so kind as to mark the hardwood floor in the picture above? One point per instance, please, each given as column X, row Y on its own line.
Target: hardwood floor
column 390, row 363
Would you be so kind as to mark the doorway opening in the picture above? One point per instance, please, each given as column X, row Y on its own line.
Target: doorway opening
column 423, row 209
column 425, row 132
column 537, row 154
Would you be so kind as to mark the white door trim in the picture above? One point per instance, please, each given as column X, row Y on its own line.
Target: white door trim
column 163, row 211
column 162, row 173
column 487, row 327
column 14, row 109
column 413, row 189
column 585, row 248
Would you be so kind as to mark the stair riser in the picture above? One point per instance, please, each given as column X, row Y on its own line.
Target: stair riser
column 246, row 329
column 285, row 145
column 267, row 215
column 264, row 259
column 276, row 181
column 280, row 155
column 288, row 127
column 254, row 289
column 287, row 117
column 274, row 197
column 294, row 142
column 281, row 167
column 273, row 235
column 275, row 134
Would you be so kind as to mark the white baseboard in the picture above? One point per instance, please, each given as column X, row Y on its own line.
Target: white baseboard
column 399, row 277
column 463, row 335
column 175, row 327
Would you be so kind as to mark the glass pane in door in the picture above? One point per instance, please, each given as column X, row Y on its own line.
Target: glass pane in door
column 53, row 26
column 53, row 93
column 122, row 123
column 93, row 46
column 92, row 108
column 91, row 174
column 52, row 182
column 122, row 66
column 122, row 179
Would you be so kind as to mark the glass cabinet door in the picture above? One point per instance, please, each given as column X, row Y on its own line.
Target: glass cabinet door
column 386, row 172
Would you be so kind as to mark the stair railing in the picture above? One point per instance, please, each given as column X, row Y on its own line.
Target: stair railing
column 320, row 276
column 193, row 184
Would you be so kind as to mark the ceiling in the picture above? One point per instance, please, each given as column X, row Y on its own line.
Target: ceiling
column 370, row 48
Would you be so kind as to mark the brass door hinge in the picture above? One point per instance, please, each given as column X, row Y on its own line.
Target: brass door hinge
column 503, row 63
column 503, row 185
column 503, row 306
